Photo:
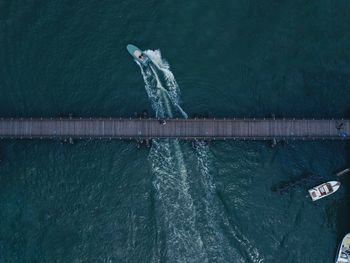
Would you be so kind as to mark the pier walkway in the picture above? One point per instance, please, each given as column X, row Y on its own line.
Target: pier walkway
column 218, row 129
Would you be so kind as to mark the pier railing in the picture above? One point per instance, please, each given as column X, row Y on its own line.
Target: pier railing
column 134, row 128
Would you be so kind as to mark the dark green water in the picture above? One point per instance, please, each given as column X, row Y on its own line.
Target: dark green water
column 110, row 202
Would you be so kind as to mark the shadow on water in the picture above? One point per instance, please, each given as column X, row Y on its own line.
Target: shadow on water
column 304, row 182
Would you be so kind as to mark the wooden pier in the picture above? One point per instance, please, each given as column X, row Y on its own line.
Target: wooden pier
column 218, row 129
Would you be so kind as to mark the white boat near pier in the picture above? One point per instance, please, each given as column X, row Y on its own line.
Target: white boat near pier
column 323, row 190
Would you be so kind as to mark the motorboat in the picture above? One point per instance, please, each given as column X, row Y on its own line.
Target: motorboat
column 343, row 254
column 324, row 190
column 137, row 54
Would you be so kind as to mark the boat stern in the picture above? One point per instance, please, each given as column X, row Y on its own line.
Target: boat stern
column 313, row 194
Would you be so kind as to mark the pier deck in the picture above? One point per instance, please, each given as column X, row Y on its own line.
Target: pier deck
column 118, row 128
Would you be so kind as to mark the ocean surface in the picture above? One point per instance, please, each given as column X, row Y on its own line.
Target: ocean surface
column 108, row 201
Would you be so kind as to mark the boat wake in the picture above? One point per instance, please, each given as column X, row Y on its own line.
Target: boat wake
column 178, row 238
column 182, row 234
column 172, row 91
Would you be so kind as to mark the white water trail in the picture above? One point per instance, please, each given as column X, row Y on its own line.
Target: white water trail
column 176, row 213
column 152, row 91
column 215, row 243
column 163, row 93
column 176, row 217
column 178, row 238
column 173, row 90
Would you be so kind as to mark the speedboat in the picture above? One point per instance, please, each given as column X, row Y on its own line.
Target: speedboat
column 324, row 190
column 343, row 254
column 137, row 54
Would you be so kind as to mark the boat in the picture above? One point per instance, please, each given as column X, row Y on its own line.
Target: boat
column 343, row 254
column 324, row 190
column 138, row 55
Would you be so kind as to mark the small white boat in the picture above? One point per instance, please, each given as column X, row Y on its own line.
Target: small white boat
column 324, row 190
column 343, row 254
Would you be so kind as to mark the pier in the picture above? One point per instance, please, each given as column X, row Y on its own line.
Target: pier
column 138, row 128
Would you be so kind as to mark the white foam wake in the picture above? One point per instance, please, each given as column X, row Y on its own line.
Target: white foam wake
column 176, row 214
column 172, row 90
column 179, row 239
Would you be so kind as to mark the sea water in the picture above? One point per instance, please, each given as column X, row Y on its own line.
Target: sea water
column 107, row 201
